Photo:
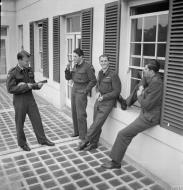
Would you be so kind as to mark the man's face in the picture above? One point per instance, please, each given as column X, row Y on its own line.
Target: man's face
column 77, row 58
column 25, row 62
column 104, row 63
column 147, row 73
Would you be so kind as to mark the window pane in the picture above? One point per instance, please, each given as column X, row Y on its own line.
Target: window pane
column 3, row 31
column 135, row 49
column 3, row 57
column 79, row 43
column 150, row 28
column 149, row 49
column 68, row 25
column 163, row 26
column 69, row 46
column 161, row 50
column 40, row 39
column 145, row 61
column 136, row 73
column 162, row 64
column 136, row 31
column 76, row 24
column 133, row 84
column 135, row 61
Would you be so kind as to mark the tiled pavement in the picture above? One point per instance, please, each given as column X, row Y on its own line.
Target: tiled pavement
column 59, row 167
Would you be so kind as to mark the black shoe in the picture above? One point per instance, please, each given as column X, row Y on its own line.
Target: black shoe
column 111, row 165
column 91, row 147
column 48, row 143
column 122, row 102
column 74, row 135
column 25, row 147
column 82, row 145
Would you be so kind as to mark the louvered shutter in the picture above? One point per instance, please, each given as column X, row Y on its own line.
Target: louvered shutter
column 31, row 32
column 111, row 33
column 172, row 110
column 87, row 33
column 56, row 49
column 45, row 49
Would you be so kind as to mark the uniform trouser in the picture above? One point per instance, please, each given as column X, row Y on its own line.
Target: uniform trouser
column 101, row 112
column 78, row 106
column 125, row 136
column 25, row 104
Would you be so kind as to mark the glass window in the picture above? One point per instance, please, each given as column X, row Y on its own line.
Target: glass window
column 150, row 28
column 3, row 57
column 3, row 31
column 148, row 41
column 136, row 35
column 73, row 24
column 20, row 30
column 40, row 28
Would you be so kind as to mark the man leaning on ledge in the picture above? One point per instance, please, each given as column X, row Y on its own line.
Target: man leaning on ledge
column 150, row 99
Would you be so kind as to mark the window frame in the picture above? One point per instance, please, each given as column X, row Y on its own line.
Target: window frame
column 141, row 67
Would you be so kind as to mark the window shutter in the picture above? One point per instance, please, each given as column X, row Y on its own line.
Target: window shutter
column 31, row 30
column 45, row 49
column 172, row 109
column 87, row 33
column 56, row 49
column 112, row 33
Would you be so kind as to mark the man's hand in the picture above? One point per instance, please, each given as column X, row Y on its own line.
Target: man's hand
column 40, row 85
column 100, row 98
column 30, row 85
column 21, row 83
column 141, row 88
column 69, row 65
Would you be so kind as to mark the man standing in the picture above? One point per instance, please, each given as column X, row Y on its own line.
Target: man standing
column 83, row 76
column 150, row 99
column 20, row 82
column 109, row 88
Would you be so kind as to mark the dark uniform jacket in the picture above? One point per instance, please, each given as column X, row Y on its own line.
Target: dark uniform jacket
column 108, row 84
column 151, row 100
column 83, row 76
column 17, row 75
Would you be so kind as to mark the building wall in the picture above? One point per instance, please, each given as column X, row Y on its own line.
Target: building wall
column 158, row 150
column 8, row 19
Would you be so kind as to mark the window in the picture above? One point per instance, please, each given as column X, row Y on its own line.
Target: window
column 3, row 31
column 74, row 24
column 148, row 41
column 3, row 56
column 3, row 47
column 73, row 40
column 40, row 29
column 20, row 37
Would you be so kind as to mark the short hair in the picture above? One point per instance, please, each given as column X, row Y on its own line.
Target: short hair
column 104, row 55
column 22, row 54
column 153, row 65
column 79, row 52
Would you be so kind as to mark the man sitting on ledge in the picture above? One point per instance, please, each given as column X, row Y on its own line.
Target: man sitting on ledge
column 150, row 99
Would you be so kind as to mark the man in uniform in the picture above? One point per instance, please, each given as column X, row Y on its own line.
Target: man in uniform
column 20, row 82
column 150, row 99
column 83, row 76
column 109, row 88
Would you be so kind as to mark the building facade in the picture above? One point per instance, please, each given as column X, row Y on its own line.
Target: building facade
column 131, row 32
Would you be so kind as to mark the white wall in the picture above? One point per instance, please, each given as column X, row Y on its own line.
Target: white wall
column 8, row 19
column 158, row 150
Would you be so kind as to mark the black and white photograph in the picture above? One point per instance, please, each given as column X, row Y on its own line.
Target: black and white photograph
column 91, row 95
